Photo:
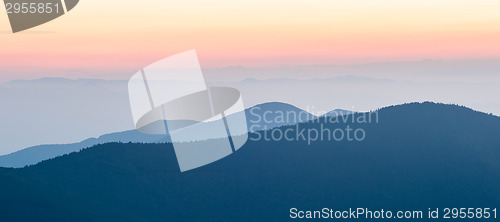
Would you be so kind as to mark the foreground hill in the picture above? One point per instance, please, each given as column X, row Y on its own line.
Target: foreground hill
column 417, row 156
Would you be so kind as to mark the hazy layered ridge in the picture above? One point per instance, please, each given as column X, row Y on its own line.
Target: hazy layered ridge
column 417, row 156
column 60, row 111
column 259, row 117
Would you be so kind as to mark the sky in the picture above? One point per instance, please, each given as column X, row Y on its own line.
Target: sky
column 113, row 39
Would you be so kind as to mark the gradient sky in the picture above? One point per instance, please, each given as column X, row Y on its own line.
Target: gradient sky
column 109, row 37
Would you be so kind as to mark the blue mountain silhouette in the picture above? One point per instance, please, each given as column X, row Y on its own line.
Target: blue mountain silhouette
column 417, row 156
column 33, row 155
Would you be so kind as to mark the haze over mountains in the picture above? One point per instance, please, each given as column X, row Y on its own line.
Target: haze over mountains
column 417, row 156
column 59, row 111
column 259, row 117
column 62, row 111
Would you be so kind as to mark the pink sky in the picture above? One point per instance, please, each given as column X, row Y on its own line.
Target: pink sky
column 92, row 39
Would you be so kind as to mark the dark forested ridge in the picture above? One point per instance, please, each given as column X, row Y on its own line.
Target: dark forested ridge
column 417, row 156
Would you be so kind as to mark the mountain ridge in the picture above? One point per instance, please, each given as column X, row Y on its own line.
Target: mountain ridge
column 417, row 156
column 35, row 154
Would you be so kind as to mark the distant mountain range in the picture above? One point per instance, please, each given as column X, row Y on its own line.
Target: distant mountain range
column 63, row 111
column 259, row 117
column 50, row 110
column 415, row 157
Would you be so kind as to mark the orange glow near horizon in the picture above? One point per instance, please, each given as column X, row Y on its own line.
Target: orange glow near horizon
column 123, row 36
